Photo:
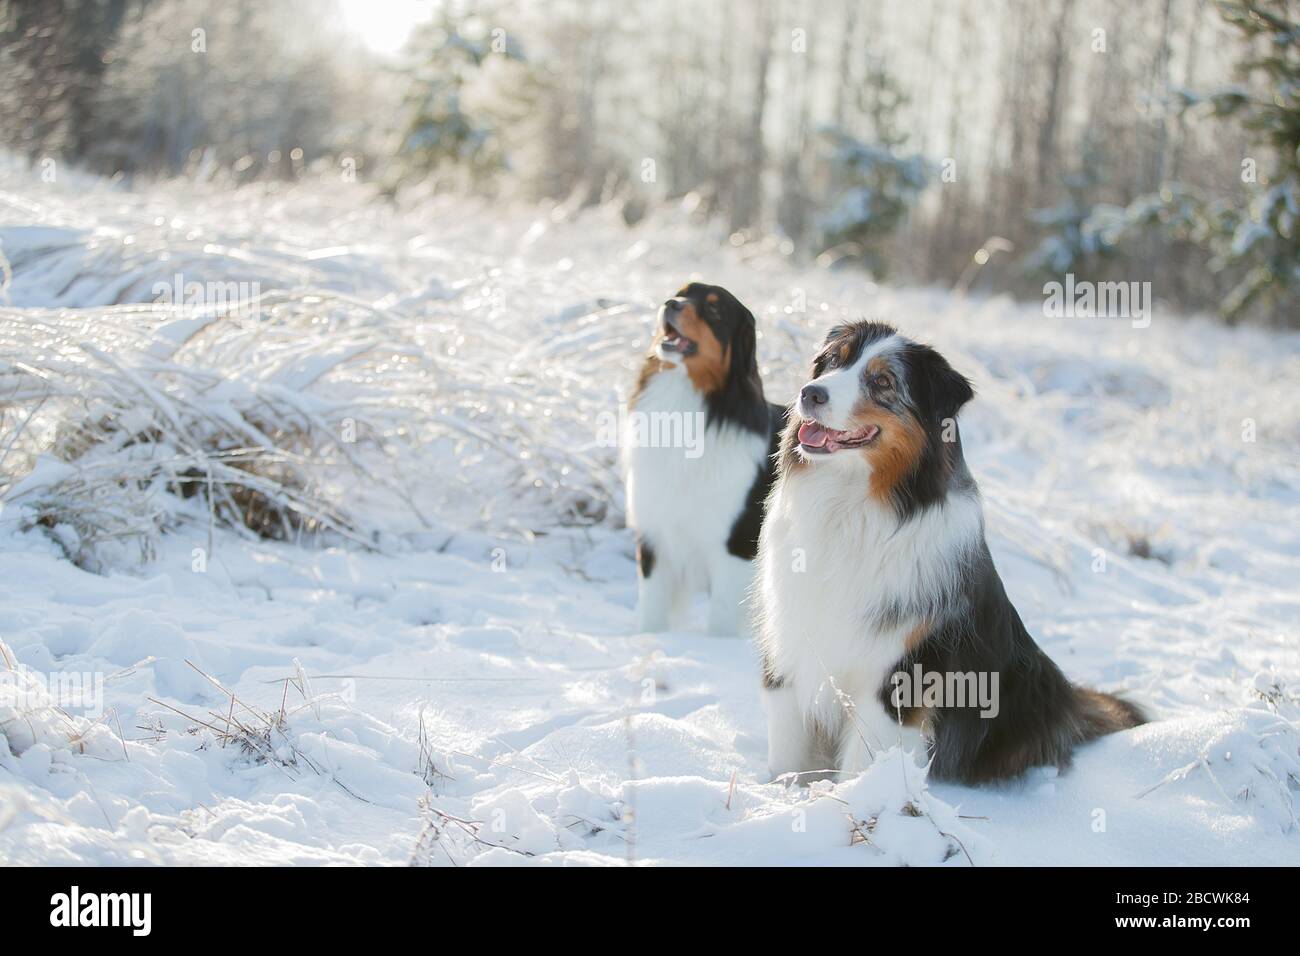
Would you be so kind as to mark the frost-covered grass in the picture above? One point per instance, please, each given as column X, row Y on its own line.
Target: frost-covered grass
column 424, row 653
column 120, row 418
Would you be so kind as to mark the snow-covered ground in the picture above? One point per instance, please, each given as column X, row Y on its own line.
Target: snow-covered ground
column 470, row 689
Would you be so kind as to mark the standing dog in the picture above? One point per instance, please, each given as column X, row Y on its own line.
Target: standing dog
column 873, row 496
column 697, row 511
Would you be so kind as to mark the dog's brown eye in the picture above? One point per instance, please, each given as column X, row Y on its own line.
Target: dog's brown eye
column 882, row 381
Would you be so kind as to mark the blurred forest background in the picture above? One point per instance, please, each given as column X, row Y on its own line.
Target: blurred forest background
column 991, row 144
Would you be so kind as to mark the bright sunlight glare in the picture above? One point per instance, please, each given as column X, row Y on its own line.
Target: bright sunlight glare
column 383, row 25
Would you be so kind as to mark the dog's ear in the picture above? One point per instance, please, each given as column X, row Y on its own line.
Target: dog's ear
column 948, row 390
column 744, row 342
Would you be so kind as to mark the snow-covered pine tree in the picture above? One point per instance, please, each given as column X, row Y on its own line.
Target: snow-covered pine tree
column 1264, row 244
column 873, row 184
column 1077, row 232
column 1251, row 248
column 1255, row 245
column 438, row 129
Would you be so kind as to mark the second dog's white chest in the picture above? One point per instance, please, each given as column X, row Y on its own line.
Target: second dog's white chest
column 686, row 482
column 832, row 565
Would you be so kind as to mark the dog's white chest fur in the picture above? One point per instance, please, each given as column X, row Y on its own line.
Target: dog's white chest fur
column 690, row 501
column 831, row 560
column 684, row 501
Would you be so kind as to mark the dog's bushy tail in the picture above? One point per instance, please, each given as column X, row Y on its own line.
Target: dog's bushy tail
column 1100, row 714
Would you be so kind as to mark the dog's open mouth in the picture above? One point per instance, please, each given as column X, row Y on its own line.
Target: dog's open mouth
column 674, row 341
column 817, row 439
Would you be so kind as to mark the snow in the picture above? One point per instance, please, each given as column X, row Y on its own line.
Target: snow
column 470, row 690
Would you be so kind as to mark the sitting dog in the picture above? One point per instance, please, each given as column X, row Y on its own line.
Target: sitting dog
column 696, row 511
column 873, row 567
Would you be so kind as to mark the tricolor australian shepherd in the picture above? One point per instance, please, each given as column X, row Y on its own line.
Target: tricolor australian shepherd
column 873, row 561
column 696, row 511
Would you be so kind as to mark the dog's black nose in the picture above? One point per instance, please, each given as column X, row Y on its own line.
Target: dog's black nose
column 813, row 395
column 674, row 305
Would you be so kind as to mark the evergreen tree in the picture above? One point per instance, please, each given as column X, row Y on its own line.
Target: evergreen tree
column 1250, row 249
column 873, row 184
column 438, row 129
column 1264, row 242
column 1077, row 231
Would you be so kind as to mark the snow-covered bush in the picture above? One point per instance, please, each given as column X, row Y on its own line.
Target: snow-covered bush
column 1075, row 232
column 877, row 187
column 118, row 418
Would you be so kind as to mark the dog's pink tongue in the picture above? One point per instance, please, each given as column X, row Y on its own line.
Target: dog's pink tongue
column 813, row 435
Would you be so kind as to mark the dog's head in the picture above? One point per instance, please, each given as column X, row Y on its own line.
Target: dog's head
column 878, row 398
column 707, row 329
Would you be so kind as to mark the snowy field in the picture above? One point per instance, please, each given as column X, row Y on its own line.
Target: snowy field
column 448, row 673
